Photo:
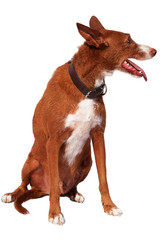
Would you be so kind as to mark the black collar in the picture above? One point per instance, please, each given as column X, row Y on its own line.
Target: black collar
column 101, row 90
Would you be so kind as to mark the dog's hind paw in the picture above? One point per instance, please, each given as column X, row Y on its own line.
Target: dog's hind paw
column 7, row 198
column 77, row 198
column 59, row 219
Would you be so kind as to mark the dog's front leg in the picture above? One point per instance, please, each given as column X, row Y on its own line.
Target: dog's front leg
column 100, row 157
column 55, row 215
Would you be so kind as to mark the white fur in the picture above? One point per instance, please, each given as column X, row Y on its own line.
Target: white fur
column 81, row 122
column 115, row 212
column 79, row 198
column 145, row 49
column 6, row 198
column 98, row 82
column 59, row 219
column 107, row 73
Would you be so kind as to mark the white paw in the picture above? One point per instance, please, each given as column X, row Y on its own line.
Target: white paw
column 115, row 212
column 59, row 219
column 6, row 198
column 79, row 198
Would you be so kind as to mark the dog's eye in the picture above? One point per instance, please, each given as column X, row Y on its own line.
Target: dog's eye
column 129, row 39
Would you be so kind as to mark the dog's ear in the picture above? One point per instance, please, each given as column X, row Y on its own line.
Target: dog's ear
column 93, row 37
column 94, row 23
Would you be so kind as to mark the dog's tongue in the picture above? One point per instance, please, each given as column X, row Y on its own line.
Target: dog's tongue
column 140, row 70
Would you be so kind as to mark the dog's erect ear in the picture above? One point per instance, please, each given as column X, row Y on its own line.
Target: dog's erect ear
column 93, row 37
column 95, row 23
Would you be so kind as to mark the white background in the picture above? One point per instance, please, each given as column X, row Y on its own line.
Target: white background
column 35, row 38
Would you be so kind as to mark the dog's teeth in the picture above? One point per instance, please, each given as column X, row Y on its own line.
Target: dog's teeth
column 140, row 72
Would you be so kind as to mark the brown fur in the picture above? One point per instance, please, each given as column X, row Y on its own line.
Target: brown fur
column 45, row 169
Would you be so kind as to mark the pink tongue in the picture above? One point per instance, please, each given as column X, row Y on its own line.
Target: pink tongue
column 138, row 69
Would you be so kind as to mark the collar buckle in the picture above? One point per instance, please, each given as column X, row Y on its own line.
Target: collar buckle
column 104, row 89
column 98, row 91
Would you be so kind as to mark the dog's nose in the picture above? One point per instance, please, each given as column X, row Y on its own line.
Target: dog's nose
column 153, row 52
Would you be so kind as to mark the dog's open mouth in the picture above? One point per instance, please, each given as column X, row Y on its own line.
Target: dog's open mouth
column 133, row 69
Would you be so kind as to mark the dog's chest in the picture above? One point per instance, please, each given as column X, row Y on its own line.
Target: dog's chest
column 81, row 122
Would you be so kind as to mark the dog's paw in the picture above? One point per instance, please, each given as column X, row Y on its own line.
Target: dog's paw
column 115, row 211
column 77, row 198
column 59, row 219
column 7, row 198
column 112, row 211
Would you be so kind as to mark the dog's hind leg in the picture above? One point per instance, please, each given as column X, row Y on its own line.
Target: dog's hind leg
column 83, row 171
column 10, row 197
column 29, row 167
column 75, row 196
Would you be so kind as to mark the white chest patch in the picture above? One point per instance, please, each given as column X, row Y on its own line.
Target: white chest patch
column 81, row 122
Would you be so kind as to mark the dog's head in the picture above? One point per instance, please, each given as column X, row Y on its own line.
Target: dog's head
column 112, row 49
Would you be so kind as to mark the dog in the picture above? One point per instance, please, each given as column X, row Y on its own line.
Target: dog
column 70, row 115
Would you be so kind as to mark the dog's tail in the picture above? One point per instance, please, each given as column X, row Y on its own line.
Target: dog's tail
column 25, row 196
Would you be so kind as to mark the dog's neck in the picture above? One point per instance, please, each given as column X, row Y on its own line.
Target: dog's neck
column 87, row 66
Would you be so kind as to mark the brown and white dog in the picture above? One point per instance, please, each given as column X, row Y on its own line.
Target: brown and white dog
column 67, row 119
